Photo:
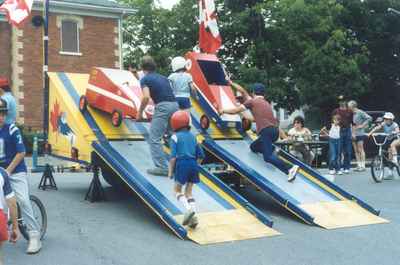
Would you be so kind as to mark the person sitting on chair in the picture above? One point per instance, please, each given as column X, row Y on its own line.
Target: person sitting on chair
column 298, row 134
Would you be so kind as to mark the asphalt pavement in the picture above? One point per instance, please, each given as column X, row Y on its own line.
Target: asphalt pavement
column 123, row 231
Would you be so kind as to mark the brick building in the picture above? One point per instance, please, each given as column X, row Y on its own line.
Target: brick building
column 82, row 34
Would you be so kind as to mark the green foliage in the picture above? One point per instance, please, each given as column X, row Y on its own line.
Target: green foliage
column 307, row 52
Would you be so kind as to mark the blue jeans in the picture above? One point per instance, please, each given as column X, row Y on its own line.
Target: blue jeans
column 334, row 154
column 263, row 144
column 158, row 127
column 346, row 146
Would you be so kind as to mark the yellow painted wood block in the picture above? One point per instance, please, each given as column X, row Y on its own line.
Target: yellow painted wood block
column 231, row 225
column 340, row 214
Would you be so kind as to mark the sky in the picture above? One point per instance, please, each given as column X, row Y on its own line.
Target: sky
column 168, row 3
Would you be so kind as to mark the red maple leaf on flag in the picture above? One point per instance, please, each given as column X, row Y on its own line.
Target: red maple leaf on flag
column 54, row 115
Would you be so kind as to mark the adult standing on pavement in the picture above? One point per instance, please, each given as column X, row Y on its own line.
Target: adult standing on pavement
column 346, row 120
column 360, row 122
column 5, row 93
column 158, row 88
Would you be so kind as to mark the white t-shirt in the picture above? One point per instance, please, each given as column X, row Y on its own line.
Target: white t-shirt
column 334, row 132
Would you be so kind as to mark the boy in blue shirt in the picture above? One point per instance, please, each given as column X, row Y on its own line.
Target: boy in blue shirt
column 186, row 153
column 12, row 153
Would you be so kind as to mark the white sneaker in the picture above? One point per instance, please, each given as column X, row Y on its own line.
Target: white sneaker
column 194, row 222
column 34, row 244
column 292, row 173
column 389, row 174
column 332, row 172
column 346, row 171
column 187, row 217
column 340, row 172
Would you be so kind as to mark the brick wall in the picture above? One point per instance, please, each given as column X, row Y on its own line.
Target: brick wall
column 5, row 48
column 97, row 45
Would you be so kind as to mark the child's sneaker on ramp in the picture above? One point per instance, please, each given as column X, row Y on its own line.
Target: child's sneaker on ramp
column 187, row 217
column 194, row 222
column 292, row 173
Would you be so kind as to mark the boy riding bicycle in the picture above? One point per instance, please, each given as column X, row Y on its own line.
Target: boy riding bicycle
column 390, row 128
column 12, row 153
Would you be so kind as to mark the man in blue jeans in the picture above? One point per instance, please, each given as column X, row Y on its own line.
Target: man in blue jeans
column 267, row 126
column 158, row 88
column 346, row 144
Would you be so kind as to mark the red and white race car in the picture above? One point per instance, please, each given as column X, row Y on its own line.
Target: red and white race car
column 116, row 92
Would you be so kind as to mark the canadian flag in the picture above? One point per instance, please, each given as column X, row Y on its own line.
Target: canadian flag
column 17, row 11
column 209, row 38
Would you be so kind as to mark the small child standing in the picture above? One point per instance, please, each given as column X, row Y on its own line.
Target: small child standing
column 186, row 154
column 334, row 145
column 182, row 83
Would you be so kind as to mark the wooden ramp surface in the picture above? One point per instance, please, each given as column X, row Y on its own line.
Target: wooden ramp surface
column 340, row 214
column 232, row 225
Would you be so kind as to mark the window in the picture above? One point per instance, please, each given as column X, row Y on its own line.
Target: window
column 213, row 72
column 69, row 36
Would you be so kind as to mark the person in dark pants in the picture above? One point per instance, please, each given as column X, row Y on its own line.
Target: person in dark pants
column 346, row 145
column 267, row 126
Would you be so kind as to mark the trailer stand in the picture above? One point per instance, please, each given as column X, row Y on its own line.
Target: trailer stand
column 47, row 177
column 95, row 192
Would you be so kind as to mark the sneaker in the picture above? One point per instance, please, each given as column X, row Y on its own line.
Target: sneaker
column 157, row 171
column 194, row 222
column 389, row 174
column 340, row 172
column 34, row 244
column 358, row 169
column 292, row 173
column 362, row 169
column 332, row 172
column 187, row 217
column 346, row 171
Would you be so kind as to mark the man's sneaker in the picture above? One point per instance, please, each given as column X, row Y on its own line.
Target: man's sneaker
column 292, row 173
column 157, row 171
column 346, row 171
column 187, row 217
column 340, row 172
column 358, row 169
column 332, row 172
column 194, row 222
column 389, row 174
column 34, row 244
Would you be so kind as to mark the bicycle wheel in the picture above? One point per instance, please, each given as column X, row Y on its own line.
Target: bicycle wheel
column 377, row 169
column 39, row 212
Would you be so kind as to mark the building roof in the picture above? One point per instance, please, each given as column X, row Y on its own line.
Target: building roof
column 102, row 8
column 104, row 3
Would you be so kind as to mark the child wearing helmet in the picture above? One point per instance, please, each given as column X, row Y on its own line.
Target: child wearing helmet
column 182, row 83
column 186, row 154
column 390, row 127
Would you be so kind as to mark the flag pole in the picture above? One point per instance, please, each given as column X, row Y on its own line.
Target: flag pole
column 46, row 69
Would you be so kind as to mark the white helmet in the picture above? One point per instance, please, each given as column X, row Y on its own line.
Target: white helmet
column 388, row 116
column 178, row 63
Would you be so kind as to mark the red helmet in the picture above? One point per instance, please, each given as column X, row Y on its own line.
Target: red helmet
column 180, row 119
column 3, row 81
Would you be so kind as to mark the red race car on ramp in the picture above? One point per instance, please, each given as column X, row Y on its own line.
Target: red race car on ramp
column 116, row 92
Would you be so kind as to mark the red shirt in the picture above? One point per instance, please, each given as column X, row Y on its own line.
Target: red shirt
column 262, row 112
column 346, row 117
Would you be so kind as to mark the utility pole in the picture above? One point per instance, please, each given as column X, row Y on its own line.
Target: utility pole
column 46, row 68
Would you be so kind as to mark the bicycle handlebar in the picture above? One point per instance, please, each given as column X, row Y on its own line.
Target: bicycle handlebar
column 386, row 137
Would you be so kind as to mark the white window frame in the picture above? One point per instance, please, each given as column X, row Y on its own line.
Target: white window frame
column 79, row 27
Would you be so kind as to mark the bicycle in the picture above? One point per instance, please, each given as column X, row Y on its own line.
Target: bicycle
column 40, row 215
column 381, row 159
